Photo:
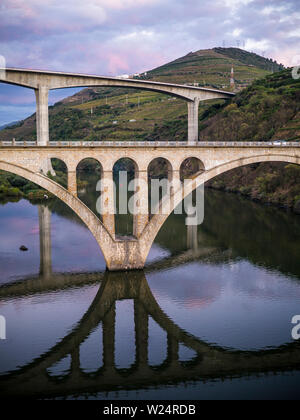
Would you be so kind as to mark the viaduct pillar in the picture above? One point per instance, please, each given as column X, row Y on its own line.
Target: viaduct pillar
column 107, row 200
column 42, row 122
column 141, row 215
column 193, row 124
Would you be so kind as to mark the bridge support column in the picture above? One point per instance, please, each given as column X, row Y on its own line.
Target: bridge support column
column 42, row 119
column 193, row 122
column 45, row 242
column 141, row 215
column 72, row 182
column 108, row 202
column 176, row 185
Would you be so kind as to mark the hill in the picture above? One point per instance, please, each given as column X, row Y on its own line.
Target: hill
column 14, row 123
column 211, row 68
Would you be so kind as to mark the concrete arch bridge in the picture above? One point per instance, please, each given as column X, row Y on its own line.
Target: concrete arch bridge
column 131, row 253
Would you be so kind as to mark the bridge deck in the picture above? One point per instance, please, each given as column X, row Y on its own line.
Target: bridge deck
column 119, row 144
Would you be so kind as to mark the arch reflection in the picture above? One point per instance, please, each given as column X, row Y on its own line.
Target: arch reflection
column 209, row 361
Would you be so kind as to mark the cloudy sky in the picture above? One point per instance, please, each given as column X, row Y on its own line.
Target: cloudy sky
column 112, row 37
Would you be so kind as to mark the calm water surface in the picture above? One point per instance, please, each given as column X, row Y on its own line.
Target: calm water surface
column 210, row 316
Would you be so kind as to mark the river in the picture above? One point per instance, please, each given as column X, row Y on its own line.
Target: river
column 208, row 318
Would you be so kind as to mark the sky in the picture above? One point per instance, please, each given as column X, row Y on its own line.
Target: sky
column 113, row 37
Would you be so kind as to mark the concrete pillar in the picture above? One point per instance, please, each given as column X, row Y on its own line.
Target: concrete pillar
column 141, row 322
column 45, row 241
column 72, row 182
column 176, row 185
column 108, row 202
column 109, row 324
column 42, row 119
column 141, row 211
column 193, row 122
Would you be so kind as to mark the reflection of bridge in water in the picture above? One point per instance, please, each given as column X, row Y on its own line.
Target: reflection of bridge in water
column 209, row 361
column 47, row 280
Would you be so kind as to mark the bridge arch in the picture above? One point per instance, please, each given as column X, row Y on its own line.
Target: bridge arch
column 165, row 166
column 130, row 162
column 95, row 226
column 91, row 166
column 89, row 159
column 57, row 168
column 190, row 167
column 153, row 227
column 124, row 220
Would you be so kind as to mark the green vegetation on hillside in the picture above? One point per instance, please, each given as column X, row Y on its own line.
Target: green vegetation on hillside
column 211, row 68
column 272, row 183
column 251, row 59
column 14, row 187
column 263, row 111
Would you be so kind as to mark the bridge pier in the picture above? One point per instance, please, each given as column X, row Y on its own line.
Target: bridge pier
column 127, row 254
column 193, row 120
column 42, row 118
column 107, row 199
column 141, row 216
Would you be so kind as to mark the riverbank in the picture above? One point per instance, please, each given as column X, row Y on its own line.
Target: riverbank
column 276, row 184
column 15, row 187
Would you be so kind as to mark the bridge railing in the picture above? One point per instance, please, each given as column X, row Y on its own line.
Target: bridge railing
column 116, row 144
